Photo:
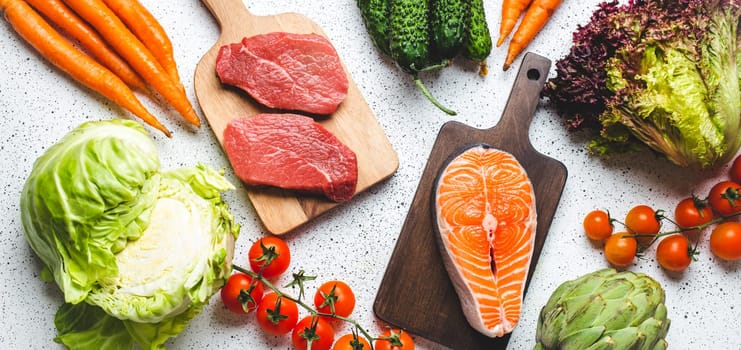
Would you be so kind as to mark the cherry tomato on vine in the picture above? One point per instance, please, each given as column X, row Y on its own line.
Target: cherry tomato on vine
column 735, row 172
column 317, row 329
column 620, row 249
column 269, row 256
column 597, row 225
column 643, row 220
column 725, row 197
column 335, row 297
column 240, row 294
column 276, row 315
column 351, row 342
column 691, row 212
column 725, row 241
column 394, row 339
column 674, row 253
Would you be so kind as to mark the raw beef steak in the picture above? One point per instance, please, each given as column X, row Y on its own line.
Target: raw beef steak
column 300, row 72
column 292, row 152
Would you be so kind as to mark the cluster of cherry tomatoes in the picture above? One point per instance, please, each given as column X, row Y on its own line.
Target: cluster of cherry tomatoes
column 692, row 215
column 278, row 313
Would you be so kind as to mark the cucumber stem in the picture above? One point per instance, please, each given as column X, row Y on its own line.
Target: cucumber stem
column 483, row 68
column 441, row 65
column 429, row 96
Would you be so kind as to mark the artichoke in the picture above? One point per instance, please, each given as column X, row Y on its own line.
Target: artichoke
column 605, row 309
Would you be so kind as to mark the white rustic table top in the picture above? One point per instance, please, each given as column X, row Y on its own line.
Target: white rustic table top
column 354, row 242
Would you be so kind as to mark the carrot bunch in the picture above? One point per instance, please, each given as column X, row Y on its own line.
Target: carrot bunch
column 126, row 49
column 537, row 15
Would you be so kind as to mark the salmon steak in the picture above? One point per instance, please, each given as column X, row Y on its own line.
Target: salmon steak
column 484, row 207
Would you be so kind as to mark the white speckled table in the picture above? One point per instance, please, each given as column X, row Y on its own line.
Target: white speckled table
column 354, row 241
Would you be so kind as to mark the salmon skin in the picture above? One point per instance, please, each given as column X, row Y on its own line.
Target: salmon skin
column 484, row 210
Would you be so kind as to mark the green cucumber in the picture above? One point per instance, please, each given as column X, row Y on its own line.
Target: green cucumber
column 409, row 39
column 406, row 30
column 375, row 15
column 477, row 44
column 448, row 26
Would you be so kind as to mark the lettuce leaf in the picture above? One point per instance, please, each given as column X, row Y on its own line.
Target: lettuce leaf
column 662, row 74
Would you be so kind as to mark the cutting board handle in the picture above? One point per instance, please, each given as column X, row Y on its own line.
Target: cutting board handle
column 230, row 14
column 524, row 97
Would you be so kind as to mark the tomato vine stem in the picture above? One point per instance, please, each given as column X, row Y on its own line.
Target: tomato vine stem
column 298, row 301
column 699, row 228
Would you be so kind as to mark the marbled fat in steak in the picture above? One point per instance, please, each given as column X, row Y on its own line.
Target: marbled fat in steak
column 299, row 72
column 293, row 152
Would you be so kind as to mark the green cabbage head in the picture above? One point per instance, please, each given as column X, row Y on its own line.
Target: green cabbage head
column 137, row 251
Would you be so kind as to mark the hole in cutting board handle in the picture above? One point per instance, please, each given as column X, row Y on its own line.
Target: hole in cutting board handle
column 533, row 74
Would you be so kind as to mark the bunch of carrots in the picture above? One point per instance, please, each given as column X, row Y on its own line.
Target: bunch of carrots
column 537, row 15
column 127, row 49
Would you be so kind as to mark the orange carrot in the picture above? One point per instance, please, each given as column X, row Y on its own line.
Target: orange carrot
column 133, row 51
column 511, row 11
column 61, row 15
column 57, row 50
column 149, row 31
column 536, row 17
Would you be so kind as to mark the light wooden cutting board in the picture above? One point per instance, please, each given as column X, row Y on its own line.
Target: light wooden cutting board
column 354, row 123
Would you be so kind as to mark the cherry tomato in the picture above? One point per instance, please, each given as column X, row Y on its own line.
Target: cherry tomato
column 269, row 256
column 642, row 220
column 276, row 316
column 317, row 329
column 725, row 197
column 335, row 297
column 620, row 249
column 725, row 241
column 674, row 253
column 351, row 342
column 240, row 294
column 597, row 225
column 394, row 339
column 691, row 212
column 735, row 172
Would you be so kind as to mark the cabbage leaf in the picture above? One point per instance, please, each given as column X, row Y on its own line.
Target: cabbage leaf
column 137, row 251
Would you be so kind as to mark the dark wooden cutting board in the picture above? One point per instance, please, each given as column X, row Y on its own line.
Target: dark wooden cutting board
column 415, row 293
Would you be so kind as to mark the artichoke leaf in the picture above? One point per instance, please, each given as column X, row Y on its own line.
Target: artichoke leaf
column 585, row 318
column 651, row 328
column 615, row 288
column 582, row 339
column 618, row 313
column 604, row 343
column 626, row 338
column 661, row 345
column 584, row 285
